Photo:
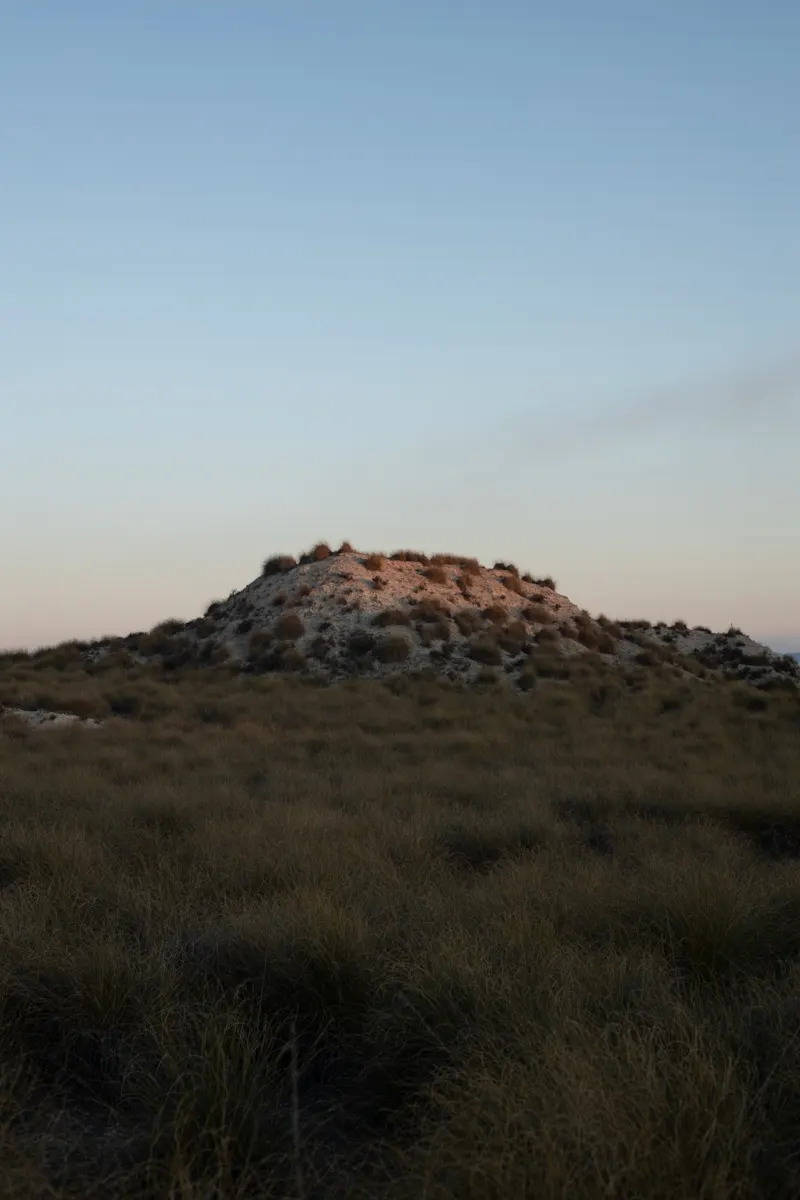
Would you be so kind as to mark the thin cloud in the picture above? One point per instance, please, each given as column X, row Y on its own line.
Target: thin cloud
column 760, row 397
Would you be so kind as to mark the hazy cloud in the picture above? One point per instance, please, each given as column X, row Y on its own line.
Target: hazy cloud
column 747, row 399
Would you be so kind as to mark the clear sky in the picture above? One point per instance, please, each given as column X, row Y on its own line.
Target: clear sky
column 517, row 279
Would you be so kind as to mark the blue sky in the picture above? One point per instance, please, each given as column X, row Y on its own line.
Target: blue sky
column 519, row 280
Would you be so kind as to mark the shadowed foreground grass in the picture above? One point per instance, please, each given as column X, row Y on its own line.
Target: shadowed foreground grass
column 261, row 939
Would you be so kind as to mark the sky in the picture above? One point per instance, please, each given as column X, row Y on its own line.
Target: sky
column 518, row 280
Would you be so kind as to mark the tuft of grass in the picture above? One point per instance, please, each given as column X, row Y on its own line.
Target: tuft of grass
column 468, row 621
column 415, row 556
column 374, row 562
column 289, row 626
column 538, row 614
column 392, row 648
column 392, row 616
column 435, row 574
column 278, row 564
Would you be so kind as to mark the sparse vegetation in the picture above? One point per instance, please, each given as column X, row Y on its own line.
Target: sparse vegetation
column 415, row 556
column 392, row 616
column 468, row 621
column 470, row 566
column 278, row 564
column 374, row 562
column 392, row 648
column 537, row 614
column 484, row 649
column 513, row 583
column 486, row 943
column 435, row 574
column 289, row 626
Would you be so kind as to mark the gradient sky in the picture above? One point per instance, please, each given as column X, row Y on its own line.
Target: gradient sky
column 512, row 279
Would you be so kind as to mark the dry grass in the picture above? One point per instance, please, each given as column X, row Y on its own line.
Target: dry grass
column 265, row 939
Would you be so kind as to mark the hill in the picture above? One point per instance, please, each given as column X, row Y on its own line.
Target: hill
column 332, row 615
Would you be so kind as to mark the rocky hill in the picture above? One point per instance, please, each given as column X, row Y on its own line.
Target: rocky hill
column 334, row 614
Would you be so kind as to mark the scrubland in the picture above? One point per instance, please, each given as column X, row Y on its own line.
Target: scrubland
column 262, row 938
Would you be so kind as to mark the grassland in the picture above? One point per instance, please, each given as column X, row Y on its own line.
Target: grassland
column 266, row 939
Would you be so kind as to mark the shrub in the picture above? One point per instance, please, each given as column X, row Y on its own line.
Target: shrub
column 470, row 566
column 611, row 627
column 484, row 649
column 391, row 616
column 468, row 620
column 510, row 567
column 495, row 613
column 547, row 582
column 278, row 564
column 320, row 551
column 548, row 636
column 410, row 556
column 360, row 644
column 289, row 626
column 512, row 637
column 680, row 626
column 345, row 548
column 319, row 647
column 436, row 631
column 429, row 610
column 260, row 641
column 169, row 627
column 391, row 649
column 435, row 574
column 538, row 614
column 513, row 584
column 374, row 562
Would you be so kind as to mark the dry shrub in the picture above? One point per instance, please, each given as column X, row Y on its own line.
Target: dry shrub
column 435, row 574
column 470, row 566
column 415, row 556
column 548, row 635
column 484, row 649
column 278, row 564
column 495, row 613
column 391, row 649
column 510, row 567
column 610, row 627
column 319, row 647
column 289, row 626
column 537, row 614
column 360, row 644
column 546, row 581
column 513, row 583
column 512, row 637
column 346, row 548
column 374, row 562
column 430, row 610
column 468, row 621
column 392, row 616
